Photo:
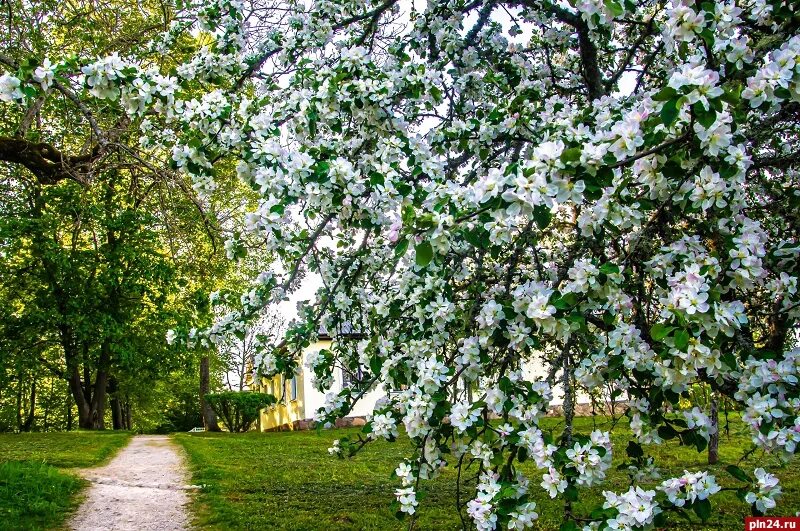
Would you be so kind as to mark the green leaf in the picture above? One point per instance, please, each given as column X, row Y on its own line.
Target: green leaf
column 708, row 36
column 522, row 455
column 376, row 178
column 705, row 117
column 312, row 117
column 542, row 216
column 609, row 268
column 477, row 238
column 681, row 338
column 702, row 508
column 571, row 493
column 424, row 253
column 665, row 94
column 673, row 170
column 565, row 301
column 738, row 473
column 669, row 112
column 729, row 359
column 571, row 155
column 615, row 8
column 672, row 397
column 605, row 176
column 660, row 331
column 667, row 432
column 401, row 248
column 700, row 443
column 634, row 450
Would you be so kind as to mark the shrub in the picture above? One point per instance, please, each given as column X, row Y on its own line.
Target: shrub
column 239, row 410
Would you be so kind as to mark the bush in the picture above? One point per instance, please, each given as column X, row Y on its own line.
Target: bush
column 239, row 410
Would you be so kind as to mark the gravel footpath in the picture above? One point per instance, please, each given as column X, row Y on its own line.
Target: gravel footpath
column 143, row 488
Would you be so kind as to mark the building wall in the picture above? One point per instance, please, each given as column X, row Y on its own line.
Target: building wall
column 309, row 400
column 314, row 399
column 535, row 369
column 283, row 414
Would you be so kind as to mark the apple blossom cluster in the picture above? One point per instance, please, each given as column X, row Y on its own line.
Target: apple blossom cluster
column 10, row 90
column 592, row 459
column 690, row 487
column 768, row 388
column 768, row 490
column 636, row 508
column 597, row 200
column 699, row 422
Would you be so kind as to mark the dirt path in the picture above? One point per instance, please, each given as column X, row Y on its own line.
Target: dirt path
column 143, row 488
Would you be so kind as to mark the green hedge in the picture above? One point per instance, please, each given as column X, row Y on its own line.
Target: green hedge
column 239, row 410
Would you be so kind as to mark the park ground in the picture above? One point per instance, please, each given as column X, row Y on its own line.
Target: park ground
column 39, row 484
column 288, row 481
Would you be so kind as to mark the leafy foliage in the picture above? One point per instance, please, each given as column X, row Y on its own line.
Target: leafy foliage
column 239, row 409
column 105, row 249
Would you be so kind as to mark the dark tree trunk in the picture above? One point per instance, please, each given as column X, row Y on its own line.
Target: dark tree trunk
column 117, row 418
column 69, row 414
column 100, row 393
column 76, row 388
column 46, row 412
column 28, row 424
column 127, row 413
column 91, row 399
column 18, row 404
column 713, row 441
column 209, row 417
column 87, row 375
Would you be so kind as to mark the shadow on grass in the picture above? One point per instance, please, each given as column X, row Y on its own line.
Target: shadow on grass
column 288, row 481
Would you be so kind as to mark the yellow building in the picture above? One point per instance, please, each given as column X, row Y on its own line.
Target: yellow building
column 297, row 398
column 291, row 394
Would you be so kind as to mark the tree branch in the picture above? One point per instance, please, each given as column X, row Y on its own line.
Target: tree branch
column 590, row 69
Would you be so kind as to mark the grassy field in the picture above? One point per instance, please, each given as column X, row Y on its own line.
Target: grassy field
column 35, row 490
column 288, row 481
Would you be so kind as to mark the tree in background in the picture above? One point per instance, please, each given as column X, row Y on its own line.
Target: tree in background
column 239, row 352
column 103, row 246
column 239, row 409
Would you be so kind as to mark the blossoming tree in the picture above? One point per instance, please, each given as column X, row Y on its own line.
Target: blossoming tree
column 609, row 188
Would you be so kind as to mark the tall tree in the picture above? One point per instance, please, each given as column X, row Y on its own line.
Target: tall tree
column 104, row 244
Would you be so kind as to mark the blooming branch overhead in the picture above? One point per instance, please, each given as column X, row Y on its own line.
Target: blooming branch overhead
column 609, row 189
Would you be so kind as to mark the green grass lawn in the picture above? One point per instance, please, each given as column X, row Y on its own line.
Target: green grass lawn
column 288, row 481
column 35, row 490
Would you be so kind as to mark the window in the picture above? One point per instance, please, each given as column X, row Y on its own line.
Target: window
column 294, row 387
column 349, row 379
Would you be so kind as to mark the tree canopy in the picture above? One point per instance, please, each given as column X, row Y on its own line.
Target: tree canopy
column 104, row 248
